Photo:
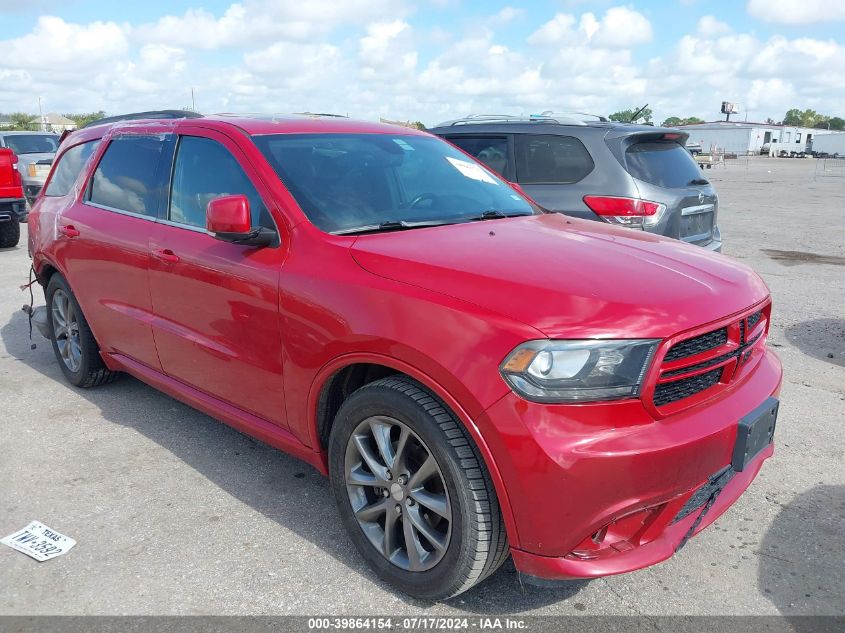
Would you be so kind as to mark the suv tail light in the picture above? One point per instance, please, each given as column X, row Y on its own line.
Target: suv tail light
column 631, row 212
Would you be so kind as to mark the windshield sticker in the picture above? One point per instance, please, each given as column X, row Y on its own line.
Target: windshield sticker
column 471, row 170
column 406, row 146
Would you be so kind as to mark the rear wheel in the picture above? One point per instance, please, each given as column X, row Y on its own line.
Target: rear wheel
column 413, row 492
column 73, row 343
column 10, row 233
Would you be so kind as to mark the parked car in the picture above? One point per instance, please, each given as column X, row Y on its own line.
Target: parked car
column 35, row 152
column 638, row 176
column 12, row 203
column 693, row 148
column 477, row 377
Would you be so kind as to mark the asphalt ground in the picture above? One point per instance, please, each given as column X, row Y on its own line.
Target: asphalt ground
column 175, row 513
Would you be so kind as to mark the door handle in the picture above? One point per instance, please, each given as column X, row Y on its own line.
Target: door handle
column 69, row 231
column 166, row 255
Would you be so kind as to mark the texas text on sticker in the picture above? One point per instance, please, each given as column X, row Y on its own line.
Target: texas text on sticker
column 39, row 541
column 471, row 170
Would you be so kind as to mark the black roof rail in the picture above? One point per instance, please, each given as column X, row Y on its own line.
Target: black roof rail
column 509, row 118
column 152, row 114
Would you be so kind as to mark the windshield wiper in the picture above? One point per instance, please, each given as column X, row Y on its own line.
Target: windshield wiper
column 698, row 181
column 494, row 214
column 392, row 225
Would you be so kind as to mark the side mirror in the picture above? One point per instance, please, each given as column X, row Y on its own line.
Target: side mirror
column 228, row 219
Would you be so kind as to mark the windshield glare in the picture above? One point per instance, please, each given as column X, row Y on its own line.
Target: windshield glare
column 350, row 181
column 32, row 143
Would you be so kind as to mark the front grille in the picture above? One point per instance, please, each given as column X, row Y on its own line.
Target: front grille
column 696, row 345
column 679, row 389
column 697, row 363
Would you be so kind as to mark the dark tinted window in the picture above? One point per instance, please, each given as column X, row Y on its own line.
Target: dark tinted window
column 126, row 176
column 32, row 143
column 665, row 164
column 348, row 181
column 493, row 152
column 550, row 159
column 205, row 170
column 68, row 168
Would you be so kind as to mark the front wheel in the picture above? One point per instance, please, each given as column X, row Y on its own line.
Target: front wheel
column 412, row 491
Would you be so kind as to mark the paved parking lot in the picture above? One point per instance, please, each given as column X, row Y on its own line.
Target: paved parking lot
column 175, row 513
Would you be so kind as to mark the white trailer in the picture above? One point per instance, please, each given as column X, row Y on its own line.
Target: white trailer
column 830, row 144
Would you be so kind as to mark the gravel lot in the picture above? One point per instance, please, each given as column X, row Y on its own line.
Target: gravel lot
column 175, row 513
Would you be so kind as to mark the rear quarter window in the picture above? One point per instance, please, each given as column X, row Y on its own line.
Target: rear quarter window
column 67, row 170
column 551, row 159
column 665, row 164
column 126, row 175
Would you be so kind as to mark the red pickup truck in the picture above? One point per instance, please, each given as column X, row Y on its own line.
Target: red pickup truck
column 12, row 202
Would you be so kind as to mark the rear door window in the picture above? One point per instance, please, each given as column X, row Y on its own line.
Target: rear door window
column 551, row 159
column 204, row 170
column 492, row 151
column 67, row 170
column 126, row 178
column 665, row 164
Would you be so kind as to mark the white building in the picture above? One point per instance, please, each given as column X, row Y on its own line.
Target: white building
column 743, row 137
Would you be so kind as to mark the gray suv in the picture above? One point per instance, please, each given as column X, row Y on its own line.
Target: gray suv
column 637, row 176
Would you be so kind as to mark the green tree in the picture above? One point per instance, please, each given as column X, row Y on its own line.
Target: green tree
column 836, row 123
column 674, row 121
column 23, row 121
column 792, row 117
column 625, row 116
column 85, row 118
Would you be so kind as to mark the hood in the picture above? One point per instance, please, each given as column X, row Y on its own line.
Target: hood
column 568, row 278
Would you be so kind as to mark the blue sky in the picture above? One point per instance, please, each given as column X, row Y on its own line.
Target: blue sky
column 429, row 60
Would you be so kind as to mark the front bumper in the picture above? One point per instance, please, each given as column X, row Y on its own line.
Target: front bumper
column 574, row 472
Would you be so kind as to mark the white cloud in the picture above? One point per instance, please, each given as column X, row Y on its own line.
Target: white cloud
column 620, row 27
column 797, row 11
column 505, row 15
column 708, row 26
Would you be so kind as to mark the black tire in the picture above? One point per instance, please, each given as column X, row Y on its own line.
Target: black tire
column 91, row 371
column 10, row 233
column 478, row 543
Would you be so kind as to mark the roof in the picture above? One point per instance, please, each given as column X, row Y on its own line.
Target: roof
column 253, row 124
column 741, row 125
column 54, row 118
column 17, row 132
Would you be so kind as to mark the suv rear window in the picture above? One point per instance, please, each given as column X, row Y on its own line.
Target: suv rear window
column 126, row 176
column 68, row 168
column 662, row 164
column 492, row 151
column 551, row 159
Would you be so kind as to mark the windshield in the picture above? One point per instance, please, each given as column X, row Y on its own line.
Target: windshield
column 32, row 143
column 663, row 164
column 345, row 182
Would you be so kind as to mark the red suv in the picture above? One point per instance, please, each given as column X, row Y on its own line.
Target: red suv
column 477, row 378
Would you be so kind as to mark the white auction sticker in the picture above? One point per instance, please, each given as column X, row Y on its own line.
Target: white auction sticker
column 39, row 541
column 471, row 170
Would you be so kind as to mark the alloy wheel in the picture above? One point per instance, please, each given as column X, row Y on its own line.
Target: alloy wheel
column 398, row 493
column 66, row 330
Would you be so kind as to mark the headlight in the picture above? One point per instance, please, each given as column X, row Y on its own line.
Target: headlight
column 578, row 371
